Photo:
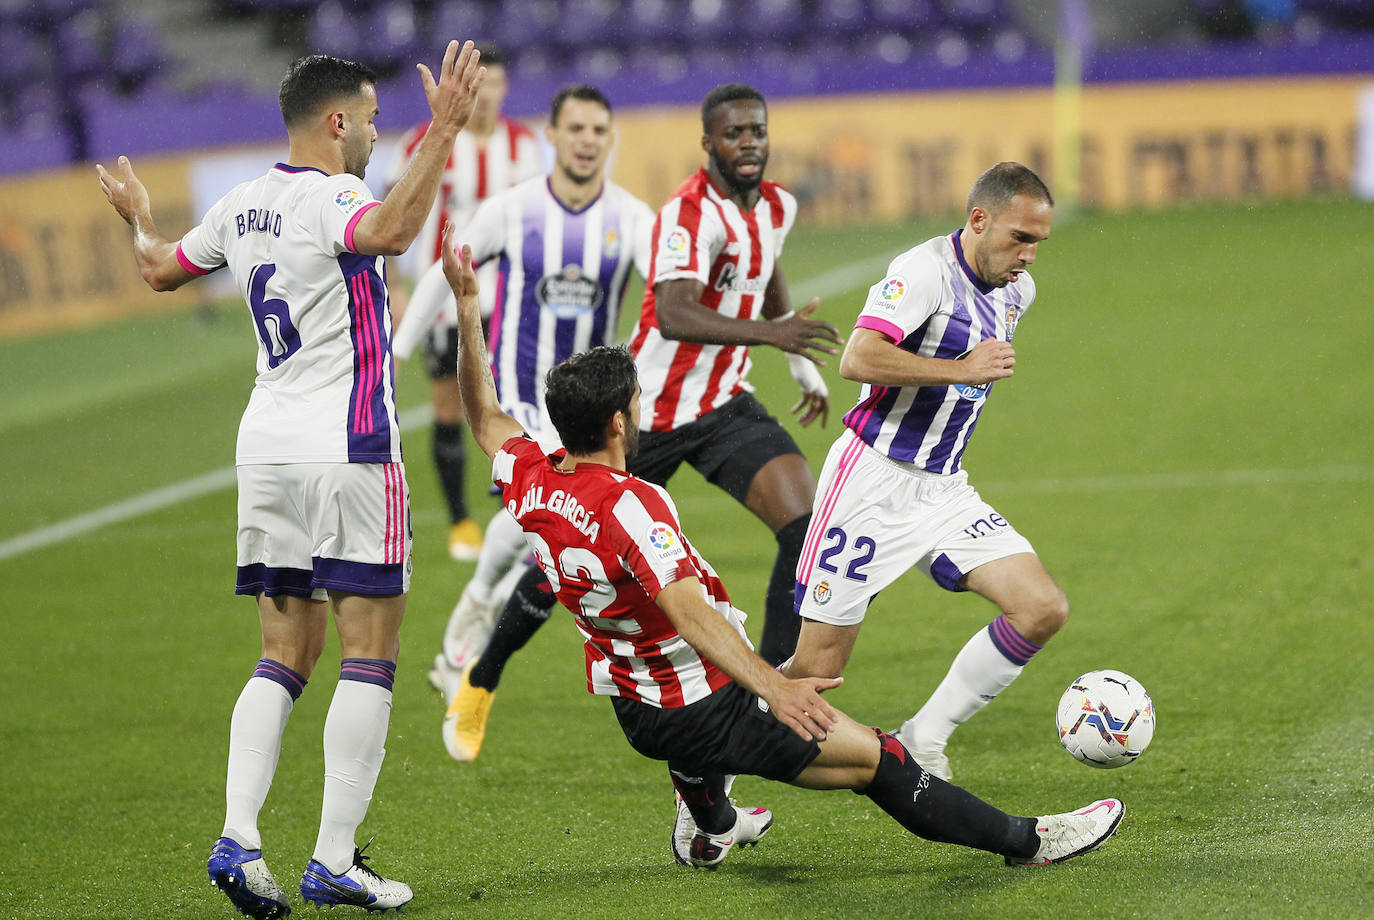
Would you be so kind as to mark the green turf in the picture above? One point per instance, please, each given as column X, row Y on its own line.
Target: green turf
column 1187, row 442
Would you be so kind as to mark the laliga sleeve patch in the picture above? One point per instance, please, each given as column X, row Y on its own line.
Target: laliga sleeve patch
column 350, row 200
column 886, row 295
column 676, row 249
column 664, row 542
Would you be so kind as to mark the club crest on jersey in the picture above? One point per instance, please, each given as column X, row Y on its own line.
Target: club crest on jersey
column 822, row 593
column 610, row 245
column 1013, row 317
column 888, row 294
column 677, row 247
column 664, row 541
column 568, row 294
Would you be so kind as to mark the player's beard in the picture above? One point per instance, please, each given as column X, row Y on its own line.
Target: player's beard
column 741, row 183
column 355, row 161
column 631, row 439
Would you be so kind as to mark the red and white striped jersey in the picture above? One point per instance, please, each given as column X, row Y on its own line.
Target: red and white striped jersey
column 609, row 543
column 474, row 172
column 702, row 234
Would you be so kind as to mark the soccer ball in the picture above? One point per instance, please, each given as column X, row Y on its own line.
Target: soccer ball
column 1106, row 719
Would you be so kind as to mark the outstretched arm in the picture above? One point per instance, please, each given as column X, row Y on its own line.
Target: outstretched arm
column 796, row 703
column 155, row 254
column 682, row 317
column 490, row 425
column 391, row 228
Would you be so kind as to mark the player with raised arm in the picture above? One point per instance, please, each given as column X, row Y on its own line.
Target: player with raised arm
column 564, row 246
column 493, row 153
column 664, row 642
column 931, row 339
column 714, row 289
column 323, row 507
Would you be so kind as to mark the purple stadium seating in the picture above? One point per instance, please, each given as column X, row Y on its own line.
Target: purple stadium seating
column 79, row 43
column 526, row 23
column 840, row 18
column 587, row 24
column 460, row 19
column 652, row 20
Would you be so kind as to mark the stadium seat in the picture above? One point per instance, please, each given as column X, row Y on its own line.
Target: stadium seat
column 526, row 24
column 652, row 20
column 333, row 29
column 584, row 23
column 461, row 19
column 840, row 18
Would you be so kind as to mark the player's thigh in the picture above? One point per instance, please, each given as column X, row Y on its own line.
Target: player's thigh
column 276, row 540
column 970, row 535
column 748, row 453
column 369, row 627
column 731, row 731
column 293, row 630
column 848, row 758
column 360, row 522
column 864, row 534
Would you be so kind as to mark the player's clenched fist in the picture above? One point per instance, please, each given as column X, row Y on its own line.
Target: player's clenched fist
column 989, row 360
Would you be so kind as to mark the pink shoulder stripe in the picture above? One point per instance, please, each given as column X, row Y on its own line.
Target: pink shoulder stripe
column 891, row 330
column 353, row 223
column 190, row 266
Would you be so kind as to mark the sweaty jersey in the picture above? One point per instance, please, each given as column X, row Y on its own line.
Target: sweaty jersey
column 703, row 235
column 609, row 543
column 932, row 304
column 325, row 388
column 561, row 277
column 475, row 171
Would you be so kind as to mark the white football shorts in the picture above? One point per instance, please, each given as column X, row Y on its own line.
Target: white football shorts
column 875, row 517
column 307, row 528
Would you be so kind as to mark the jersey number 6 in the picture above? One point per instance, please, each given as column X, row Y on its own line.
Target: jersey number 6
column 272, row 317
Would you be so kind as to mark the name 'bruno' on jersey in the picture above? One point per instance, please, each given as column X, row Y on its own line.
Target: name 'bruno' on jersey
column 325, row 390
column 932, row 304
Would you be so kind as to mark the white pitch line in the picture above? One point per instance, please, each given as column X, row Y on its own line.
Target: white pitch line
column 826, row 284
column 189, row 489
column 149, row 502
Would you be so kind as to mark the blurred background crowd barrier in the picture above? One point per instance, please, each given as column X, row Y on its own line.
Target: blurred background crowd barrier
column 880, row 109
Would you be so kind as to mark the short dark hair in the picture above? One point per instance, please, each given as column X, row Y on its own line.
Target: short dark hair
column 576, row 91
column 728, row 92
column 317, row 79
column 489, row 54
column 582, row 394
column 996, row 187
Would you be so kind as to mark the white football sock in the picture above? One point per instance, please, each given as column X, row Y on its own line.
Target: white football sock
column 979, row 673
column 502, row 544
column 255, row 732
column 354, row 747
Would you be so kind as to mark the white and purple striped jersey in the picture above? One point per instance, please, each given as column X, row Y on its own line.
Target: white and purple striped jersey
column 562, row 275
column 325, row 387
column 932, row 304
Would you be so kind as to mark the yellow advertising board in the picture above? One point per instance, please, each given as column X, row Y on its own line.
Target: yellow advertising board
column 885, row 157
column 67, row 259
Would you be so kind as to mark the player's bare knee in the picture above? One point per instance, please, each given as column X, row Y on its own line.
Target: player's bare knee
column 1040, row 616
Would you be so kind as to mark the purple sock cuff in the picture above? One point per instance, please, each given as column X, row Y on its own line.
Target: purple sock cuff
column 377, row 671
column 280, row 673
column 1016, row 647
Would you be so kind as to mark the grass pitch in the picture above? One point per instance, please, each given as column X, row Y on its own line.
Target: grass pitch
column 1187, row 442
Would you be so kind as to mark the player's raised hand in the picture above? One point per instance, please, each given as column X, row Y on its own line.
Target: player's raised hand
column 989, row 360
column 459, row 271
column 802, row 336
column 798, row 705
column 124, row 191
column 453, row 95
